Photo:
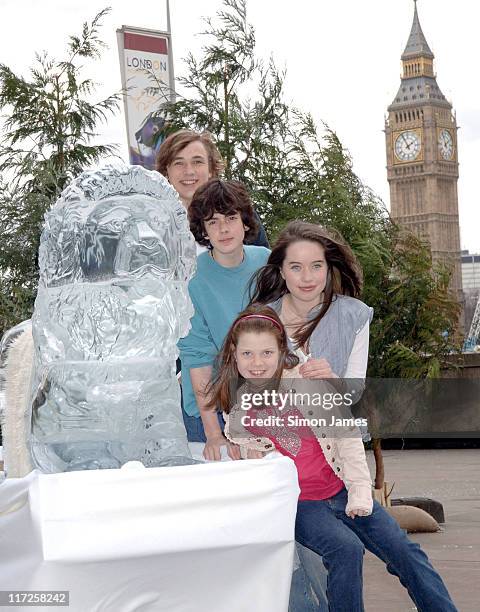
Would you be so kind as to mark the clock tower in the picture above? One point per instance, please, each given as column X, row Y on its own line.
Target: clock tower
column 422, row 161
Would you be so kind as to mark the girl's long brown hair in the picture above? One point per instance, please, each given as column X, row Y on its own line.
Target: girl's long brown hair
column 344, row 275
column 222, row 389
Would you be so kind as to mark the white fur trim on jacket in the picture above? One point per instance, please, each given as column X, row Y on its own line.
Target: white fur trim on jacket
column 16, row 417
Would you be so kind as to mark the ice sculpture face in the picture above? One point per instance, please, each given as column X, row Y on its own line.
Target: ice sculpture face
column 116, row 255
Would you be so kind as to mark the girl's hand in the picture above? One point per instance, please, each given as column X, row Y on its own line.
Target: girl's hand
column 353, row 512
column 211, row 452
column 255, row 454
column 316, row 368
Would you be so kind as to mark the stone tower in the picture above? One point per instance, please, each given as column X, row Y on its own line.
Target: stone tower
column 422, row 161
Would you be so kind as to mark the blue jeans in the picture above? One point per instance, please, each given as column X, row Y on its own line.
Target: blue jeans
column 309, row 583
column 324, row 527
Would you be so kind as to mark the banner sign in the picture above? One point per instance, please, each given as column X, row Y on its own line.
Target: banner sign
column 148, row 84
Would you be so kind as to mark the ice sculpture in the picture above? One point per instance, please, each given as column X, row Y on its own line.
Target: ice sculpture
column 116, row 255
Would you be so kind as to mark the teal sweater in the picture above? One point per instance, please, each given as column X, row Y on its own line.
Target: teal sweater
column 218, row 295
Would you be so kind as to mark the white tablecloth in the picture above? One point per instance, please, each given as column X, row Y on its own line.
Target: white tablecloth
column 215, row 537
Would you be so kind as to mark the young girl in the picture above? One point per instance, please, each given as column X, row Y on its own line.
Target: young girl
column 336, row 516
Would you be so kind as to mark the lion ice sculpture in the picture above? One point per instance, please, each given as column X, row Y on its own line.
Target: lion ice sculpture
column 115, row 258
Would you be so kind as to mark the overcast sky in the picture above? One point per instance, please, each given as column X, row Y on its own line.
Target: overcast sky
column 342, row 59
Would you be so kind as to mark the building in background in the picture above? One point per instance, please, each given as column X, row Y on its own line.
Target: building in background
column 470, row 271
column 422, row 156
column 471, row 284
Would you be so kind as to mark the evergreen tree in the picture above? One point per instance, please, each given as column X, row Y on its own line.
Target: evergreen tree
column 48, row 128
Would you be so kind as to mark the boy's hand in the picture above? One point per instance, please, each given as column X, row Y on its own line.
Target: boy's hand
column 211, row 452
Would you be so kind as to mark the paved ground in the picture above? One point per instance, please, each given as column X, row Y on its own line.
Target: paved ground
column 451, row 477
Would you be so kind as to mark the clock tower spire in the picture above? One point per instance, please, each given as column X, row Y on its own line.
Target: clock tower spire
column 422, row 162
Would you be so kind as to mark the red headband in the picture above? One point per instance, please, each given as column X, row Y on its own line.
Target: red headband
column 260, row 316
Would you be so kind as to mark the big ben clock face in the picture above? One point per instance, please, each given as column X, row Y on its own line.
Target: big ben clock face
column 445, row 144
column 407, row 146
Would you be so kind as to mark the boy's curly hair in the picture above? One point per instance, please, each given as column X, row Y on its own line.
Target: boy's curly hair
column 225, row 197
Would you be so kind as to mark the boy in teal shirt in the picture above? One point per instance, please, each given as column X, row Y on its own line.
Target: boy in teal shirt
column 221, row 218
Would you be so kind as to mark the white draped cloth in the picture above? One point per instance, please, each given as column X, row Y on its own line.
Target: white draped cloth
column 211, row 537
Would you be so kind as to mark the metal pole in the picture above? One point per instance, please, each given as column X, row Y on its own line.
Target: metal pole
column 168, row 16
column 170, row 55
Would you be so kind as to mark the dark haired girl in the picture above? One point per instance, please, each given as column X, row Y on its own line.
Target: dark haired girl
column 311, row 281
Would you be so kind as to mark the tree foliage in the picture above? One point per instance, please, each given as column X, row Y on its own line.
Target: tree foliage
column 415, row 314
column 49, row 122
column 294, row 172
